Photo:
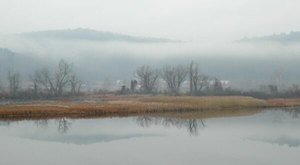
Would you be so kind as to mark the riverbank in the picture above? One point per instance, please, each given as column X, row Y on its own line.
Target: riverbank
column 111, row 105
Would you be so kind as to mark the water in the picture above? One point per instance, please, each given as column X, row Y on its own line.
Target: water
column 267, row 137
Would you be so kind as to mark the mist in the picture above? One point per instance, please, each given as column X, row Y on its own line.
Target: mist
column 83, row 78
column 245, row 65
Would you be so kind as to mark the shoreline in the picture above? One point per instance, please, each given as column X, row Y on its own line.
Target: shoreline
column 109, row 106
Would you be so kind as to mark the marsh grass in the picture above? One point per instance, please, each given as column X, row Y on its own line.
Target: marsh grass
column 136, row 104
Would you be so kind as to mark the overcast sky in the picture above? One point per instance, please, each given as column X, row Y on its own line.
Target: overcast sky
column 176, row 19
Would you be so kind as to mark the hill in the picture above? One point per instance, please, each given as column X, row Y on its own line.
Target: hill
column 92, row 35
column 292, row 37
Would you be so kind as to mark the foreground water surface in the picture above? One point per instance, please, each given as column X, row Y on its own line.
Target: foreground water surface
column 266, row 137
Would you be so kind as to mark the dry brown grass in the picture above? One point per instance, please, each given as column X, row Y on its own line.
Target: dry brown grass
column 136, row 104
column 280, row 102
column 208, row 102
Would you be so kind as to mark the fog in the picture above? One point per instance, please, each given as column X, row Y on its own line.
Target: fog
column 175, row 19
column 114, row 77
column 241, row 42
column 246, row 65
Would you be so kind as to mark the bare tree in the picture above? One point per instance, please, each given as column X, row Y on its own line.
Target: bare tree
column 294, row 89
column 193, row 69
column 35, row 82
column 216, row 86
column 44, row 79
column 277, row 78
column 202, row 82
column 1, row 88
column 197, row 81
column 75, row 84
column 148, row 78
column 174, row 77
column 55, row 85
column 273, row 89
column 133, row 85
column 14, row 83
column 62, row 77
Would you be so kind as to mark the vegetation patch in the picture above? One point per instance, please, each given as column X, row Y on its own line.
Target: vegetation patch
column 133, row 104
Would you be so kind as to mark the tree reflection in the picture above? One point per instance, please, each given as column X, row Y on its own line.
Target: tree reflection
column 4, row 123
column 192, row 125
column 63, row 125
column 144, row 121
column 43, row 123
column 295, row 112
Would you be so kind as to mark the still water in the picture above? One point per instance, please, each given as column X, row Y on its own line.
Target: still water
column 267, row 137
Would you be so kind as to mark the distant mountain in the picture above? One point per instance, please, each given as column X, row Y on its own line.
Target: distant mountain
column 6, row 57
column 92, row 35
column 4, row 52
column 292, row 37
column 10, row 60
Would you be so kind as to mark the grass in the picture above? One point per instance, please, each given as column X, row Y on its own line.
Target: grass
column 140, row 104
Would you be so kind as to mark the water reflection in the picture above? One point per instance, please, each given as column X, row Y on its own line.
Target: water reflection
column 294, row 112
column 192, row 125
column 85, row 139
column 4, row 123
column 43, row 123
column 289, row 141
column 279, row 115
column 79, row 136
column 178, row 120
column 63, row 125
column 125, row 140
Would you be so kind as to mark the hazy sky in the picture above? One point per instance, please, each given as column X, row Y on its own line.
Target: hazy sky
column 177, row 19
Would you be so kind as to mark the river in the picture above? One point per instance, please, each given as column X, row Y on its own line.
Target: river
column 266, row 137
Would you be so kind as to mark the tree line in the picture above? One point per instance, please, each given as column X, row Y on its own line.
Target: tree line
column 169, row 79
column 200, row 84
column 173, row 77
column 60, row 82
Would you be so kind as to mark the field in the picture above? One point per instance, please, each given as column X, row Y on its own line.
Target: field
column 110, row 105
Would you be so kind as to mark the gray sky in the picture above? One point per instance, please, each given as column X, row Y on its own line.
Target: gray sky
column 176, row 19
